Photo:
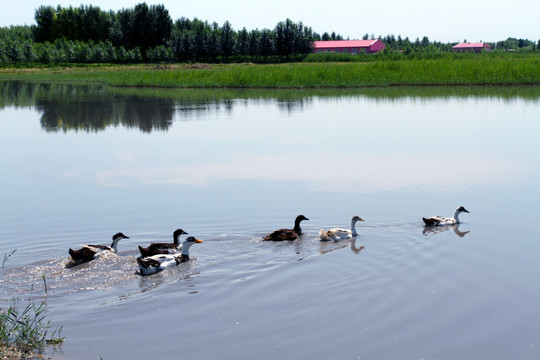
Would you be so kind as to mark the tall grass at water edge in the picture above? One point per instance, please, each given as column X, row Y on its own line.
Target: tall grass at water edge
column 322, row 75
column 24, row 330
column 482, row 70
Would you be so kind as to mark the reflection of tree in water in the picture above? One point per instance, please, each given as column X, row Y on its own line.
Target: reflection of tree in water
column 297, row 105
column 92, row 108
column 94, row 112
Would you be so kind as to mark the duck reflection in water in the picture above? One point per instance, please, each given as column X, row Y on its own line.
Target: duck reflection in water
column 182, row 274
column 442, row 228
column 329, row 246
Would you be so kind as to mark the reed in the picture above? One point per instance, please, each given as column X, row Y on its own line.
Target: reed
column 26, row 330
column 467, row 70
column 7, row 256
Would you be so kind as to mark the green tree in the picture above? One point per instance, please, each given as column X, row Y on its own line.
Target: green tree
column 267, row 43
column 285, row 37
column 67, row 24
column 95, row 24
column 254, row 43
column 44, row 17
column 227, row 40
column 242, row 43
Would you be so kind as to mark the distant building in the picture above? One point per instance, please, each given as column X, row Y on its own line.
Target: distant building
column 476, row 47
column 349, row 46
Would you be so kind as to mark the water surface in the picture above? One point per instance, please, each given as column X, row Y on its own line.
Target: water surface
column 84, row 162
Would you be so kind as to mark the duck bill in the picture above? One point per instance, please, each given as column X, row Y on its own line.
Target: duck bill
column 198, row 241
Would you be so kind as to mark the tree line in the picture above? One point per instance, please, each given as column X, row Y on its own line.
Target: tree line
column 87, row 34
column 144, row 33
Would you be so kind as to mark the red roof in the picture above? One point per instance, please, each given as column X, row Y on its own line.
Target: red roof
column 343, row 43
column 470, row 45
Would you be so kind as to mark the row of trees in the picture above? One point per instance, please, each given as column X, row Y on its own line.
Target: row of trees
column 195, row 39
column 143, row 26
column 147, row 33
column 149, row 27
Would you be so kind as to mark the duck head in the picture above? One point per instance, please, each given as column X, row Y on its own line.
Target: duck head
column 300, row 218
column 176, row 235
column 356, row 218
column 187, row 244
column 179, row 232
column 119, row 236
column 461, row 209
column 116, row 238
column 458, row 211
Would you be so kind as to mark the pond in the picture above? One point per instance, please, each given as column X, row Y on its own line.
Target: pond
column 82, row 162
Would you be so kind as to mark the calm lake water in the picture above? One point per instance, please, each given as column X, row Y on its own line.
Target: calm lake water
column 80, row 163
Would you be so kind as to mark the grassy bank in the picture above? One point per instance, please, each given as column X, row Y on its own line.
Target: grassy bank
column 482, row 70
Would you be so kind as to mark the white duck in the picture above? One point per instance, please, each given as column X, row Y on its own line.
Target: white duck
column 441, row 220
column 153, row 264
column 90, row 252
column 338, row 234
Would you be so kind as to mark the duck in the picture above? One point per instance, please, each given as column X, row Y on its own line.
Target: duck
column 337, row 234
column 164, row 248
column 287, row 234
column 90, row 252
column 152, row 264
column 441, row 220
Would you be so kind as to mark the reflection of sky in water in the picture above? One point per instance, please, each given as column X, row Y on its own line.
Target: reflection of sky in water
column 253, row 152
column 371, row 174
column 354, row 146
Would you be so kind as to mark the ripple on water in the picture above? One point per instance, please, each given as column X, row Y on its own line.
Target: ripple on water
column 54, row 279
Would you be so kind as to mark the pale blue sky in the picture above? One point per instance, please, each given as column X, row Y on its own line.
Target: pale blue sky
column 449, row 21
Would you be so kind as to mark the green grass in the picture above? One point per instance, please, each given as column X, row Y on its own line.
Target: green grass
column 469, row 70
column 24, row 331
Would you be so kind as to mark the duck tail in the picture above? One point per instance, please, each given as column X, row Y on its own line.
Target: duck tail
column 74, row 254
column 144, row 251
column 323, row 235
column 429, row 222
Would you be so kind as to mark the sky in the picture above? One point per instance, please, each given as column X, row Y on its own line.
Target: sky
column 445, row 21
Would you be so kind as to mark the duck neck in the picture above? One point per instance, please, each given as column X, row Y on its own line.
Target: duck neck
column 297, row 227
column 185, row 249
column 456, row 216
column 114, row 245
column 353, row 227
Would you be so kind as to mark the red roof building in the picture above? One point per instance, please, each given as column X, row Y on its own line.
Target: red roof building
column 349, row 46
column 476, row 47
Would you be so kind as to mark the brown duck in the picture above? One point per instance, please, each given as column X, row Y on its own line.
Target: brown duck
column 287, row 234
column 90, row 252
